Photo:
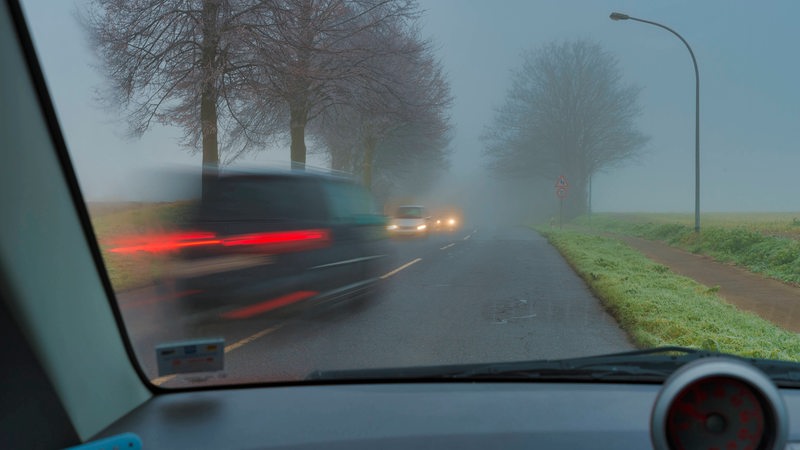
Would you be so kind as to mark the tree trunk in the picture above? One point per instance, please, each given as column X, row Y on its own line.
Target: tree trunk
column 576, row 202
column 340, row 159
column 299, row 100
column 297, row 123
column 369, row 155
column 208, row 95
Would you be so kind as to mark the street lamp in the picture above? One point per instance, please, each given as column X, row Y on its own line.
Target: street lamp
column 620, row 16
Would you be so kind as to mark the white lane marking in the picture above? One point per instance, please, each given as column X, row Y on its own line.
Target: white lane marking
column 447, row 246
column 229, row 348
column 404, row 266
column 467, row 237
column 349, row 261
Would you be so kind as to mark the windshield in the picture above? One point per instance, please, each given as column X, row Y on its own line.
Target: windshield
column 409, row 212
column 591, row 183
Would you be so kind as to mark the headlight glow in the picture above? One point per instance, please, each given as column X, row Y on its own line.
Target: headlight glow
column 451, row 221
column 391, row 227
column 422, row 227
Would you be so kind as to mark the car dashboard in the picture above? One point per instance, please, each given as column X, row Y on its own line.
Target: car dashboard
column 463, row 415
column 394, row 415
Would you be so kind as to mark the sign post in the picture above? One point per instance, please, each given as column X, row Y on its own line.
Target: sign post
column 562, row 188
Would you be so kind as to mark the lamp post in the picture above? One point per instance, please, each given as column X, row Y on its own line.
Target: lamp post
column 620, row 16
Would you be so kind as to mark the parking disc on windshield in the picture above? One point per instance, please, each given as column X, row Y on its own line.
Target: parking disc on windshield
column 199, row 355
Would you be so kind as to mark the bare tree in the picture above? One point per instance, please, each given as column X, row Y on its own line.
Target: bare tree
column 567, row 112
column 398, row 123
column 315, row 55
column 409, row 160
column 408, row 124
column 176, row 62
column 232, row 73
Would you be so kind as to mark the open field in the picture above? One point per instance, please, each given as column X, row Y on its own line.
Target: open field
column 657, row 307
column 764, row 243
column 782, row 224
column 114, row 221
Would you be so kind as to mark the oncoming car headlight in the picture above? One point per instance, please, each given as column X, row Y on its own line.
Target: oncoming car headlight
column 391, row 227
column 451, row 222
column 422, row 227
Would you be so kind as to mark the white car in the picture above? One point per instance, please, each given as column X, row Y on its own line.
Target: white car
column 410, row 220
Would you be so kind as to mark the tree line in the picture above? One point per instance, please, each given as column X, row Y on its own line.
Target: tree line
column 238, row 76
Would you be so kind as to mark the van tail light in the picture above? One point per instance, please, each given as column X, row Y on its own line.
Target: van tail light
column 281, row 241
column 269, row 242
column 164, row 243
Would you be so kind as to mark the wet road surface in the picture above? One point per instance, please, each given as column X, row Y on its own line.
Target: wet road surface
column 481, row 294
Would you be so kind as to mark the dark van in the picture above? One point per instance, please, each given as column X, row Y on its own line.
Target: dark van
column 259, row 242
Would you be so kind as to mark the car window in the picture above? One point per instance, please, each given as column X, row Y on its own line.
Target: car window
column 598, row 180
column 349, row 202
column 410, row 212
column 263, row 199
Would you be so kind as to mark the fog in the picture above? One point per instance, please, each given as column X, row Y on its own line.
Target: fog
column 750, row 106
column 748, row 101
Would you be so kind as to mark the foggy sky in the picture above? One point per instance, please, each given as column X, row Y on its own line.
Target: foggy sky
column 750, row 99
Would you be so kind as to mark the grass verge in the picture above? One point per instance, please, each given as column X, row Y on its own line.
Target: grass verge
column 746, row 245
column 657, row 307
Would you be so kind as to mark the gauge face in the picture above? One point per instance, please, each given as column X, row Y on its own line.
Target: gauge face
column 716, row 413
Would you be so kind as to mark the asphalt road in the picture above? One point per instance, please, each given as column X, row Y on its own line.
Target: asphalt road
column 477, row 295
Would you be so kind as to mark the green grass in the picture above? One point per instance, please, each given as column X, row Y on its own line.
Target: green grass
column 768, row 244
column 112, row 222
column 783, row 224
column 657, row 307
column 116, row 219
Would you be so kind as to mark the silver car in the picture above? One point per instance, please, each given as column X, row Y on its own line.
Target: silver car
column 411, row 221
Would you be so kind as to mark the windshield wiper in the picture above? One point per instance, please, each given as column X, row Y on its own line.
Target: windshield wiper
column 654, row 364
